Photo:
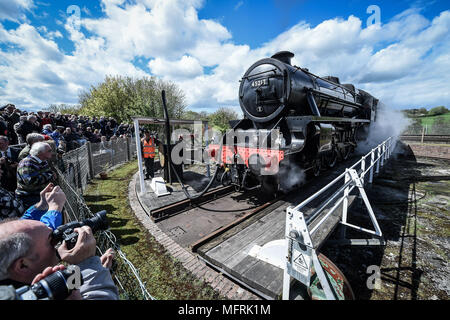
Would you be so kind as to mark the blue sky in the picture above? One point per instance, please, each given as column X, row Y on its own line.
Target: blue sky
column 254, row 22
column 49, row 54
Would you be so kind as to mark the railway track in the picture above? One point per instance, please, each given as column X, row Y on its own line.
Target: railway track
column 426, row 138
column 178, row 207
column 219, row 227
column 195, row 223
column 192, row 224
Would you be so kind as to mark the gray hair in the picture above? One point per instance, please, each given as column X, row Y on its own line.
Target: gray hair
column 34, row 137
column 38, row 148
column 31, row 116
column 47, row 126
column 11, row 249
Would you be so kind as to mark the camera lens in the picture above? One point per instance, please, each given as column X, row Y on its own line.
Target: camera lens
column 53, row 286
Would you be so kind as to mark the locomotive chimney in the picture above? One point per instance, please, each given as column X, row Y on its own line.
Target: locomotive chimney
column 284, row 56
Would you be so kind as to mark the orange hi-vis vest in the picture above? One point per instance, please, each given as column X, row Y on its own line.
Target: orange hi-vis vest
column 149, row 148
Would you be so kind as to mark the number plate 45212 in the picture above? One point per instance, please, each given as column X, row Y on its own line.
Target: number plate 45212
column 260, row 82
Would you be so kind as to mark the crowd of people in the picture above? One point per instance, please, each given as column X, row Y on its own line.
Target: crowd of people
column 31, row 203
column 69, row 131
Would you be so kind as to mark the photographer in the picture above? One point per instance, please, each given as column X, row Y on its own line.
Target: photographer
column 27, row 250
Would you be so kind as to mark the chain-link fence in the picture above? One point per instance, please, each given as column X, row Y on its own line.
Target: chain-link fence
column 110, row 153
column 75, row 169
column 80, row 165
column 439, row 127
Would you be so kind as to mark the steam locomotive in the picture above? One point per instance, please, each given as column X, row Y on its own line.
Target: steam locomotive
column 294, row 122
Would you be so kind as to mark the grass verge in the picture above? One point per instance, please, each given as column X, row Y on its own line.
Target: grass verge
column 165, row 277
column 429, row 120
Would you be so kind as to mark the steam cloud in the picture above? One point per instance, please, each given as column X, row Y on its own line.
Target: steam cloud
column 293, row 176
column 389, row 123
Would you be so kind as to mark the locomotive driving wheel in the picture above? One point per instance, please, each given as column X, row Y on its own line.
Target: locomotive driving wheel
column 317, row 166
column 336, row 279
column 346, row 152
column 331, row 159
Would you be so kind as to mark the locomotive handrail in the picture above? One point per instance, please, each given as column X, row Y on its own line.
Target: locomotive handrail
column 259, row 73
column 351, row 104
column 326, row 80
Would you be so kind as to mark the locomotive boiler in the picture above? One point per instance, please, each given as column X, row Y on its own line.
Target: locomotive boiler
column 294, row 122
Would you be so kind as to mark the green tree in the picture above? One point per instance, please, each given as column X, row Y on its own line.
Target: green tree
column 437, row 111
column 64, row 108
column 221, row 118
column 127, row 97
column 423, row 111
column 192, row 115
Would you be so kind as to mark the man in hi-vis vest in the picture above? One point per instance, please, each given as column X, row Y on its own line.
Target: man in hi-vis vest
column 148, row 144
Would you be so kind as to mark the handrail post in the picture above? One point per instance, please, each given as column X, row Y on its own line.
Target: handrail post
column 378, row 160
column 345, row 203
column 391, row 147
column 372, row 162
column 388, row 150
column 363, row 168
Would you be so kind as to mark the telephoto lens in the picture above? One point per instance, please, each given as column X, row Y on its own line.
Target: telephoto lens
column 52, row 287
column 98, row 222
column 66, row 231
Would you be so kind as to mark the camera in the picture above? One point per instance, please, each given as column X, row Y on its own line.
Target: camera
column 52, row 287
column 66, row 231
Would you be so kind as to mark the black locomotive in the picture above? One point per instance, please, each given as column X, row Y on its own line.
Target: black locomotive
column 318, row 121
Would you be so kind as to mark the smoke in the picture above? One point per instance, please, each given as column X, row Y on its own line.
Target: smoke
column 293, row 177
column 389, row 123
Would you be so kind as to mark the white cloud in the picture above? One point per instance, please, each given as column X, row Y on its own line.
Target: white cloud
column 405, row 61
column 14, row 10
column 163, row 28
column 186, row 67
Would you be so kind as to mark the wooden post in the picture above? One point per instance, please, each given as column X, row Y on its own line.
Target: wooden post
column 423, row 132
column 127, row 142
column 90, row 160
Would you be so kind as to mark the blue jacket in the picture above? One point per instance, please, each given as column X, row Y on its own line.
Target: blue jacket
column 51, row 218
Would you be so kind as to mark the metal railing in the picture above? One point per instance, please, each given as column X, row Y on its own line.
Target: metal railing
column 368, row 163
column 75, row 169
column 125, row 275
column 297, row 252
column 81, row 165
column 300, row 230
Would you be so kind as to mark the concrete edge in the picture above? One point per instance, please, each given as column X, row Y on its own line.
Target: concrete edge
column 222, row 285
